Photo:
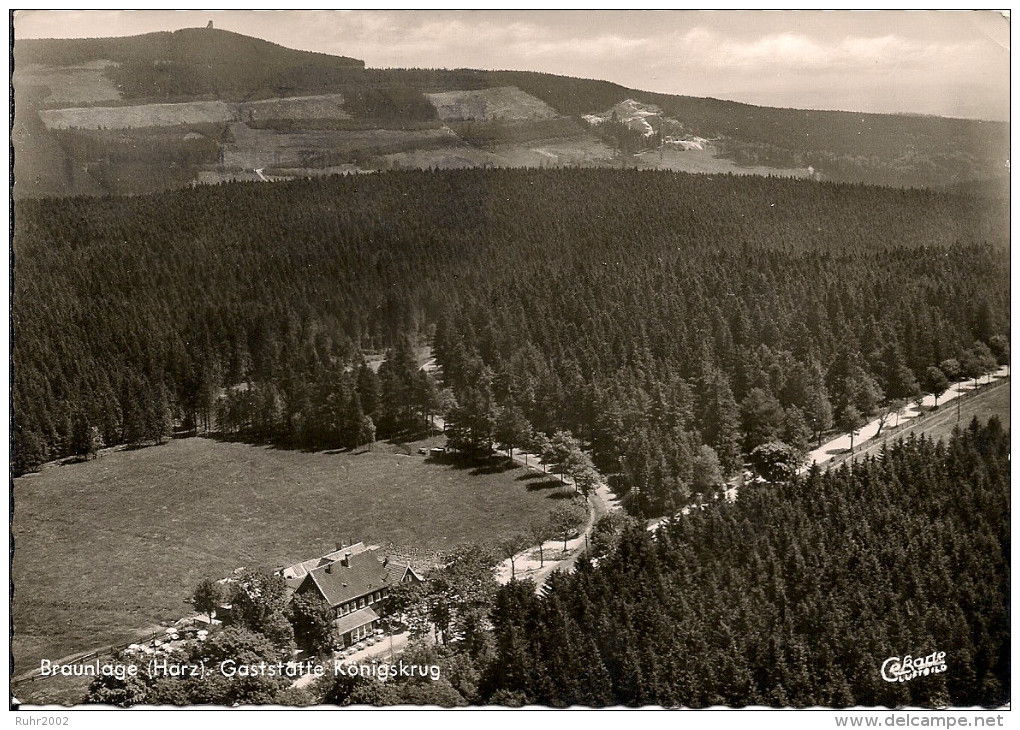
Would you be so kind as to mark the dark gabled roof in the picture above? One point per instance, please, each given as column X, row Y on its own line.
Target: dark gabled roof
column 364, row 573
column 300, row 570
column 294, row 575
column 356, row 620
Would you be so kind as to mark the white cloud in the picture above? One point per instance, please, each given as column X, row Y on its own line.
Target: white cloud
column 798, row 52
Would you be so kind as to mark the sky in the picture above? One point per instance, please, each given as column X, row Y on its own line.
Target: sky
column 922, row 62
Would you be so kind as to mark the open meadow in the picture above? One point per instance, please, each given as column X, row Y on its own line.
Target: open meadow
column 110, row 547
column 707, row 161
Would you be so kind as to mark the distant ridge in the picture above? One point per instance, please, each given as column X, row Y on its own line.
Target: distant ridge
column 379, row 119
column 189, row 62
column 204, row 41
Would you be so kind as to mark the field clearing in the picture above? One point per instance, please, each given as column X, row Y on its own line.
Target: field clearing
column 43, row 165
column 585, row 150
column 113, row 546
column 287, row 173
column 261, row 148
column 323, row 106
column 442, row 159
column 493, row 134
column 214, row 175
column 142, row 115
column 486, row 105
column 84, row 84
column 705, row 161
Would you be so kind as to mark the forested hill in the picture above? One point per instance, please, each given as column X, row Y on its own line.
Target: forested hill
column 679, row 320
column 194, row 62
column 847, row 146
column 163, row 110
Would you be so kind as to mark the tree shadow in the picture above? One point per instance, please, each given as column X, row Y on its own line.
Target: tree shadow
column 144, row 445
column 532, row 475
column 401, row 447
column 547, row 484
column 566, row 493
column 418, row 432
column 265, row 443
column 494, row 465
column 451, row 459
column 478, row 464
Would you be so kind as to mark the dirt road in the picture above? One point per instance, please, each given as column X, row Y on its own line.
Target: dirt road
column 938, row 422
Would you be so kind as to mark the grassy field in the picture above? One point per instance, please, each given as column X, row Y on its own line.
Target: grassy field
column 142, row 115
column 106, row 548
column 506, row 102
column 323, row 106
column 706, row 161
column 83, row 84
column 266, row 148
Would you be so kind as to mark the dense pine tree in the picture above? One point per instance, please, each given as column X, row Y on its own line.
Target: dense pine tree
column 794, row 595
column 643, row 312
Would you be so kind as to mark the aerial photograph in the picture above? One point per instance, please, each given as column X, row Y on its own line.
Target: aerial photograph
column 510, row 359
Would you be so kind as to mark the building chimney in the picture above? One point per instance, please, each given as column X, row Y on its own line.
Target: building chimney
column 329, row 567
column 386, row 561
column 346, row 562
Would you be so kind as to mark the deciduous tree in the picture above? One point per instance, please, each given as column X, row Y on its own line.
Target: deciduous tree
column 935, row 383
column 207, row 596
column 850, row 421
column 775, row 462
column 259, row 603
column 761, row 418
column 565, row 519
column 312, row 619
column 509, row 546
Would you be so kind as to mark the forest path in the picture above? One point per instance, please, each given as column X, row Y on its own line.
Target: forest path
column 539, row 561
column 942, row 419
column 866, row 441
column 892, row 419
